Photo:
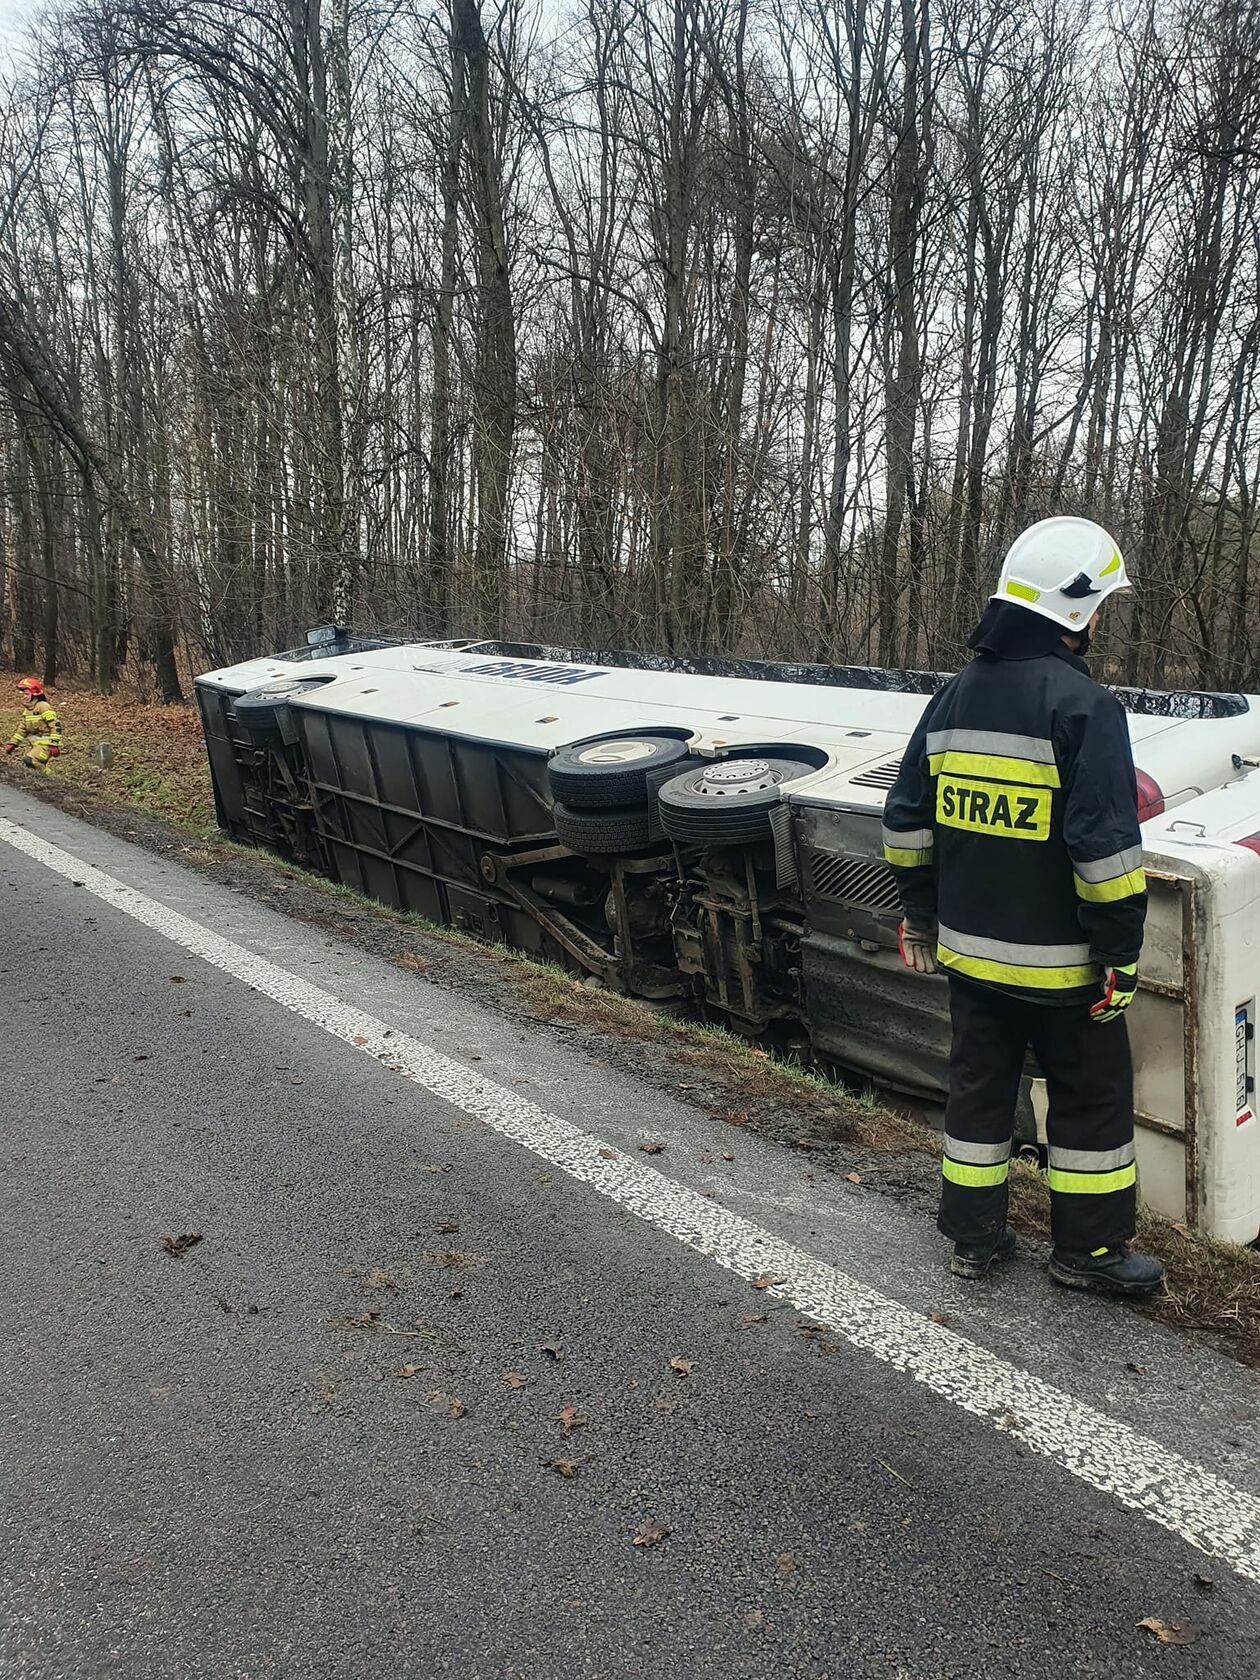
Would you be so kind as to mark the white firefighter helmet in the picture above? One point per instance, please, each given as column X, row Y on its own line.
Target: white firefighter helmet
column 1063, row 569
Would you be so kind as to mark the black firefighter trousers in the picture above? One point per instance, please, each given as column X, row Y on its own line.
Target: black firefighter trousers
column 1089, row 1078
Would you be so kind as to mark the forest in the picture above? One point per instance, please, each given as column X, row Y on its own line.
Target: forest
column 752, row 327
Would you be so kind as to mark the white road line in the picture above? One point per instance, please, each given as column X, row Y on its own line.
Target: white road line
column 1181, row 1496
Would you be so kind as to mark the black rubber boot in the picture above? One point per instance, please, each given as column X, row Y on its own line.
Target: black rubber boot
column 1116, row 1271
column 972, row 1260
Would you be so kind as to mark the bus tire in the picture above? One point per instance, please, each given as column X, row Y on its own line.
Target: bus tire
column 602, row 833
column 611, row 771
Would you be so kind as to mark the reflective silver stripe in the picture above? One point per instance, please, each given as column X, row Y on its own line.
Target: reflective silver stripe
column 1092, row 1160
column 1005, row 951
column 992, row 741
column 1106, row 869
column 908, row 839
column 977, row 1154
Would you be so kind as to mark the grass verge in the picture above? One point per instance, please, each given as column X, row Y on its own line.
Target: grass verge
column 158, row 757
column 159, row 773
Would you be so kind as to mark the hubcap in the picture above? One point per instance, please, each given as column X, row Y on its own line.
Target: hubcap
column 617, row 752
column 736, row 776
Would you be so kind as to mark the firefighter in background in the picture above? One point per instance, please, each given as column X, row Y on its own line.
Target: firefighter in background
column 1013, row 833
column 40, row 729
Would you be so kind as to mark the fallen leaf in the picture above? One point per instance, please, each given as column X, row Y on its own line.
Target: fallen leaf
column 940, row 1318
column 177, row 1246
column 805, row 1328
column 416, row 964
column 455, row 1259
column 682, row 1366
column 649, row 1532
column 754, row 1618
column 1169, row 1633
column 378, row 1279
column 514, row 1379
column 139, row 1058
column 750, row 1318
column 764, row 1054
column 654, row 1148
column 609, row 1155
column 358, row 1041
column 853, row 1178
column 766, row 1280
column 569, row 1419
column 446, row 1402
column 553, row 1350
column 447, row 1228
column 664, row 1404
column 358, row 1321
column 727, row 1156
column 566, row 1466
column 408, row 1370
column 1138, row 1370
column 177, row 979
column 809, row 1414
column 786, row 1563
column 1205, row 1583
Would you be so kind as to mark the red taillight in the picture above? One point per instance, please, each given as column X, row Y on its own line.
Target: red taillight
column 1150, row 797
column 1252, row 843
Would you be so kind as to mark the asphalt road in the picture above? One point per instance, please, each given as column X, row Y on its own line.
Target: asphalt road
column 323, row 1442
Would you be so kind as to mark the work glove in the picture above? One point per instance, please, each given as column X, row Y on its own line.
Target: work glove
column 10, row 746
column 54, row 752
column 918, row 947
column 1119, row 990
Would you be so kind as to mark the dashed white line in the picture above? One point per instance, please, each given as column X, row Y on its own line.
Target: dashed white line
column 1199, row 1506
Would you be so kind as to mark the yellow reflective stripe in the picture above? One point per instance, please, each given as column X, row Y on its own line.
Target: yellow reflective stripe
column 1092, row 1184
column 1016, row 974
column 976, row 1178
column 1023, row 591
column 1002, row 810
column 901, row 858
column 1107, row 892
column 995, row 769
column 1113, row 565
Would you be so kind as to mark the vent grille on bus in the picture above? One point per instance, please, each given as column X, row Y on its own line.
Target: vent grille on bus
column 849, row 880
column 882, row 776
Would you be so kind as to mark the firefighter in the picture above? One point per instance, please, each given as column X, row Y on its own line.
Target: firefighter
column 40, row 728
column 1013, row 833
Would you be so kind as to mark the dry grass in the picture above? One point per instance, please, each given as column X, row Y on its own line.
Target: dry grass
column 1212, row 1286
column 742, row 1072
column 159, row 755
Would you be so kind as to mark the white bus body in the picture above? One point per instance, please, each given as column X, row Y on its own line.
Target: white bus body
column 417, row 773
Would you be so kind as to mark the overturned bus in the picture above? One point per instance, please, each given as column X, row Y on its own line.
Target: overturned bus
column 707, row 832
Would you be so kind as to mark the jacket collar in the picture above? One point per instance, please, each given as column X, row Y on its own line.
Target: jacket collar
column 1009, row 632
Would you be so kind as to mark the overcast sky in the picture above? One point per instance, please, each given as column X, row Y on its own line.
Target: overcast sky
column 12, row 12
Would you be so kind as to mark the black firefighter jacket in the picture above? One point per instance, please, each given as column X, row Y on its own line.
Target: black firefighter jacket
column 1013, row 825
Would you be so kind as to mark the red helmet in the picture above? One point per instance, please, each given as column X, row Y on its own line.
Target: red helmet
column 31, row 687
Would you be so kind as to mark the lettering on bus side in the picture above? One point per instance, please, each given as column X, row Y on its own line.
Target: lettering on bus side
column 560, row 675
column 1003, row 810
